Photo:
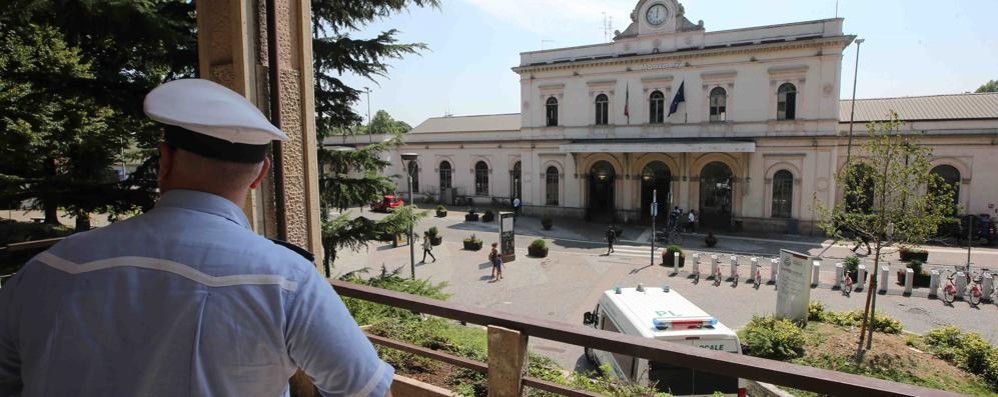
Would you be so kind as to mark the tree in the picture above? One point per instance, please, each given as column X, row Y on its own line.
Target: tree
column 72, row 78
column 990, row 86
column 885, row 200
column 352, row 177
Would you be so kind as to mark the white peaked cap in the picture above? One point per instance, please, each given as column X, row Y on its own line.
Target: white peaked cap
column 209, row 108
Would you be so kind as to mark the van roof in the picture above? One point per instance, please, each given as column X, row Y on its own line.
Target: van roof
column 642, row 308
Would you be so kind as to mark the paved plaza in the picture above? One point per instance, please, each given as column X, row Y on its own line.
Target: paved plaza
column 569, row 280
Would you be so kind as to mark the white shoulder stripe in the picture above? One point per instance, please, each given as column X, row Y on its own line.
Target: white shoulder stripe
column 166, row 266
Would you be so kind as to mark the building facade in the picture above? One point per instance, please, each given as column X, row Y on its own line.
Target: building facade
column 744, row 126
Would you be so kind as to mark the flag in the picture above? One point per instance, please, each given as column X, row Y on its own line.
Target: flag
column 627, row 100
column 680, row 97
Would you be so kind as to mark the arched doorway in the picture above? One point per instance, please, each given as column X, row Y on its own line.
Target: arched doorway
column 715, row 195
column 655, row 176
column 516, row 182
column 950, row 176
column 601, row 180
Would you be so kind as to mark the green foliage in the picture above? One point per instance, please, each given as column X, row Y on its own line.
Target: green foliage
column 347, row 232
column 815, row 311
column 916, row 266
column 769, row 337
column 671, row 248
column 852, row 264
column 854, row 318
column 488, row 216
column 538, row 244
column 990, row 86
column 440, row 207
column 603, row 383
column 473, row 239
column 547, row 222
column 966, row 350
column 365, row 312
column 15, row 232
column 433, row 232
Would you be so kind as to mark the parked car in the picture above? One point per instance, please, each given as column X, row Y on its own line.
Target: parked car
column 388, row 204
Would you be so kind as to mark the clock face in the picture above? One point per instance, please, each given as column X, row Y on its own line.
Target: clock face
column 656, row 14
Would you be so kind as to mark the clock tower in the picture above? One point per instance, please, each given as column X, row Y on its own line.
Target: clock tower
column 656, row 17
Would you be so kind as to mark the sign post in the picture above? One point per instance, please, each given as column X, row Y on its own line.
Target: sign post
column 793, row 290
column 507, row 237
column 654, row 212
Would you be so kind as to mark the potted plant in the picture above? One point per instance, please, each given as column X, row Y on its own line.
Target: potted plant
column 909, row 254
column 472, row 243
column 547, row 222
column 710, row 240
column 669, row 255
column 921, row 276
column 852, row 267
column 538, row 249
column 435, row 237
column 488, row 216
column 471, row 216
column 441, row 211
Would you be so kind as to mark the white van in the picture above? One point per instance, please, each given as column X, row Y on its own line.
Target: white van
column 662, row 314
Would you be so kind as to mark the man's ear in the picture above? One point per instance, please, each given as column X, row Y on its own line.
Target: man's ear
column 263, row 172
column 166, row 157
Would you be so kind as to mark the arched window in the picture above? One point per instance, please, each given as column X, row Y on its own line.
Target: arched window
column 950, row 176
column 656, row 107
column 783, row 194
column 552, row 112
column 481, row 179
column 414, row 172
column 551, row 186
column 445, row 175
column 786, row 102
column 718, row 104
column 602, row 109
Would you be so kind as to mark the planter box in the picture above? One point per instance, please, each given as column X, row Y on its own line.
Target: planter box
column 908, row 256
column 537, row 252
column 434, row 241
column 472, row 245
column 710, row 243
column 854, row 275
column 471, row 217
column 668, row 259
column 441, row 214
column 921, row 280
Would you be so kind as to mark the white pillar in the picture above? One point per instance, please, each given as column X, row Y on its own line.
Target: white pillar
column 815, row 270
column 987, row 286
column 715, row 262
column 753, row 269
column 696, row 263
column 860, row 278
column 909, row 280
column 884, row 282
column 839, row 273
column 933, row 283
column 675, row 262
column 774, row 269
column 961, row 284
column 734, row 266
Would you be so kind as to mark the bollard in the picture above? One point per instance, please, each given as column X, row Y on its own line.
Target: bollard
column 839, row 275
column 961, row 284
column 734, row 266
column 774, row 269
column 696, row 263
column 715, row 262
column 675, row 262
column 860, row 278
column 909, row 280
column 987, row 286
column 933, row 283
column 754, row 268
column 815, row 270
column 884, row 281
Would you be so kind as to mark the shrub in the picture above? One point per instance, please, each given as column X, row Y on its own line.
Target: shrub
column 852, row 264
column 669, row 250
column 473, row 239
column 966, row 350
column 488, row 216
column 433, row 232
column 440, row 207
column 816, row 312
column 546, row 222
column 916, row 266
column 538, row 244
column 772, row 338
column 854, row 318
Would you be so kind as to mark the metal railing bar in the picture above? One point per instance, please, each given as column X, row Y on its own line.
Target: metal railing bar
column 451, row 359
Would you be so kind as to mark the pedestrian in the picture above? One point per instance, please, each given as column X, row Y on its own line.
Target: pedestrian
column 496, row 261
column 691, row 221
column 611, row 236
column 516, row 206
column 427, row 247
column 185, row 299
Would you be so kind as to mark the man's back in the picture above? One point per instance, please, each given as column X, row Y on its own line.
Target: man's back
column 184, row 300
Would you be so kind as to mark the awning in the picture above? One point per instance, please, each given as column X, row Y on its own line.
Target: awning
column 659, row 147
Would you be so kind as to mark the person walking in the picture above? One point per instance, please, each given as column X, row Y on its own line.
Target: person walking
column 186, row 299
column 427, row 247
column 516, row 206
column 691, row 222
column 611, row 236
column 496, row 260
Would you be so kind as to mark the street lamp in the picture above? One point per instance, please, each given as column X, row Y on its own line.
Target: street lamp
column 852, row 113
column 407, row 159
column 368, row 92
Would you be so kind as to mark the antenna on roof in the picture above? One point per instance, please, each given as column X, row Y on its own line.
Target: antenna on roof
column 607, row 26
column 836, row 8
column 447, row 113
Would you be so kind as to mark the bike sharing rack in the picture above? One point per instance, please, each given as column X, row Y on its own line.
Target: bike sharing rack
column 987, row 286
column 734, row 267
column 860, row 278
column 753, row 268
column 675, row 263
column 696, row 264
column 815, row 271
column 774, row 270
column 885, row 271
column 933, row 283
column 909, row 280
column 715, row 263
column 839, row 273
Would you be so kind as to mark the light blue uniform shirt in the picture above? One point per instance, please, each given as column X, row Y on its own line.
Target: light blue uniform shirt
column 184, row 300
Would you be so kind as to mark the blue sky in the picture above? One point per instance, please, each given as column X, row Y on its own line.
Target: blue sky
column 913, row 47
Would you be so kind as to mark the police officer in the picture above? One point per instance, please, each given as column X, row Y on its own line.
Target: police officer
column 185, row 300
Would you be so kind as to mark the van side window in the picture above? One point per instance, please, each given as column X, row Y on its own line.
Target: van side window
column 625, row 362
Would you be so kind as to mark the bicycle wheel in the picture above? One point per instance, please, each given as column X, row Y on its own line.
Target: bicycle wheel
column 948, row 296
column 696, row 278
column 975, row 298
column 847, row 289
column 757, row 281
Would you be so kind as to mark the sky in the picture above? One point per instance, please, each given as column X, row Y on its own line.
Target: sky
column 913, row 47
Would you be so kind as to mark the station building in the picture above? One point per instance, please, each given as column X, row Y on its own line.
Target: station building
column 744, row 126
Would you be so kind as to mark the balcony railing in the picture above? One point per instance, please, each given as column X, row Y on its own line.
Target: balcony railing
column 507, row 350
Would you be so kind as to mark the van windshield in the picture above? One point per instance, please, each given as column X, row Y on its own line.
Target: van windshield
column 685, row 381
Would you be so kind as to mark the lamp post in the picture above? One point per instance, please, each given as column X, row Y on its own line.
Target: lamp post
column 368, row 92
column 852, row 113
column 407, row 159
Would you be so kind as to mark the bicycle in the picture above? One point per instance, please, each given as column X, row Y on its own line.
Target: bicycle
column 847, row 284
column 949, row 291
column 757, row 279
column 717, row 277
column 975, row 292
column 696, row 274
